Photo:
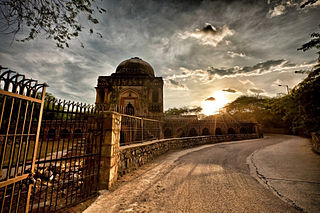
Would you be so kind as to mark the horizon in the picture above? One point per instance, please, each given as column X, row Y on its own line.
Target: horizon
column 211, row 49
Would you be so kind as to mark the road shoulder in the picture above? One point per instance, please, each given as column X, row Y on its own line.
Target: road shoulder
column 291, row 170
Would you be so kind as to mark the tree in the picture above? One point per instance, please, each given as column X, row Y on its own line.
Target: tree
column 315, row 37
column 56, row 19
column 183, row 110
column 257, row 109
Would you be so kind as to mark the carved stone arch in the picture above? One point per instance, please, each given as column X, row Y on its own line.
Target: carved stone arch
column 218, row 131
column 180, row 133
column 129, row 100
column 231, row 131
column 205, row 131
column 64, row 133
column 168, row 133
column 193, row 132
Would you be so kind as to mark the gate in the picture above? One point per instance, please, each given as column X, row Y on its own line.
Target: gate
column 50, row 149
column 21, row 104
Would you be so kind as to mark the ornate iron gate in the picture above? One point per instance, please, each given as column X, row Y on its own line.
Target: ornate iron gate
column 21, row 104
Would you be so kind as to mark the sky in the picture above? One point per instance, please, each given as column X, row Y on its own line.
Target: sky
column 205, row 51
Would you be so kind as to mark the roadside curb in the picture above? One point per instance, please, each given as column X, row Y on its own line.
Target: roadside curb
column 254, row 172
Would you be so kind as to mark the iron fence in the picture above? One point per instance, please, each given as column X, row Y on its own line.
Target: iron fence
column 137, row 129
column 68, row 156
column 45, row 169
column 21, row 103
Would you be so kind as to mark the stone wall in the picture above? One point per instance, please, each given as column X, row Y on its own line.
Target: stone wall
column 135, row 155
column 316, row 141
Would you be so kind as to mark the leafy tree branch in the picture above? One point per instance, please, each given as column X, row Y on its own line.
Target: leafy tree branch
column 56, row 19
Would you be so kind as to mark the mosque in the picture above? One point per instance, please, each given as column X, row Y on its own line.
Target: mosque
column 135, row 90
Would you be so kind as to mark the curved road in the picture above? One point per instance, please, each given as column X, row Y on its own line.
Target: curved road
column 210, row 178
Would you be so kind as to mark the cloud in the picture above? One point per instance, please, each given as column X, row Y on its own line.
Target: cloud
column 284, row 6
column 247, row 81
column 234, row 54
column 212, row 73
column 277, row 11
column 209, row 35
column 175, row 85
column 256, row 91
column 280, row 65
column 230, row 90
column 210, row 99
column 277, row 82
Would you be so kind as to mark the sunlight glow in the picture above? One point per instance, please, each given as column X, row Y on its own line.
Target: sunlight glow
column 213, row 107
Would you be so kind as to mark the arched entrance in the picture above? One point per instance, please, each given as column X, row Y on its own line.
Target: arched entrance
column 205, row 131
column 218, row 131
column 180, row 133
column 193, row 132
column 231, row 131
column 129, row 110
column 167, row 133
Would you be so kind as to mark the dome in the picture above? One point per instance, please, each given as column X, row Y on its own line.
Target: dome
column 135, row 66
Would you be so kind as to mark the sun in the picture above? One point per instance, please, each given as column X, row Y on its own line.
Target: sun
column 210, row 107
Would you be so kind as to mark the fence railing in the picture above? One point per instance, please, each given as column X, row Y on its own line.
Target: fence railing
column 137, row 129
column 21, row 103
column 68, row 156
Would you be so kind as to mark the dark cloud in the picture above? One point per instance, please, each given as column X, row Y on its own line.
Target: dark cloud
column 256, row 91
column 209, row 35
column 210, row 99
column 257, row 68
column 230, row 90
column 175, row 85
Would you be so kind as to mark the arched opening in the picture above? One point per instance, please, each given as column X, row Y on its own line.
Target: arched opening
column 180, row 133
column 218, row 131
column 243, row 130
column 77, row 133
column 193, row 132
column 167, row 133
column 129, row 110
column 51, row 133
column 231, row 131
column 64, row 133
column 122, row 137
column 205, row 131
column 155, row 97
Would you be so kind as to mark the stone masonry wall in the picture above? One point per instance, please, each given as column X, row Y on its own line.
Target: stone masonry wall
column 316, row 141
column 135, row 155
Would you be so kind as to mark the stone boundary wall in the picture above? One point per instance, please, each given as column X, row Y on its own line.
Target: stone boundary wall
column 316, row 141
column 135, row 155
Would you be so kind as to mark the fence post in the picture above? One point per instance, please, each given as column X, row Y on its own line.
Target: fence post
column 110, row 149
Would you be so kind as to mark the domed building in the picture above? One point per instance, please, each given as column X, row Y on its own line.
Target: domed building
column 133, row 89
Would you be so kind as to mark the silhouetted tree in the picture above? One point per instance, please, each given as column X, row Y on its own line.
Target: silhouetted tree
column 57, row 19
column 315, row 37
column 183, row 110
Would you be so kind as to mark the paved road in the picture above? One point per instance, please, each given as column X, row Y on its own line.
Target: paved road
column 210, row 178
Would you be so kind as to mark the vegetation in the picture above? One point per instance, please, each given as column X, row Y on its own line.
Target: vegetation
column 255, row 109
column 298, row 111
column 183, row 110
column 56, row 19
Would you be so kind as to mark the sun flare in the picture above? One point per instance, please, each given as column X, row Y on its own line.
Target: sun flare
column 211, row 107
